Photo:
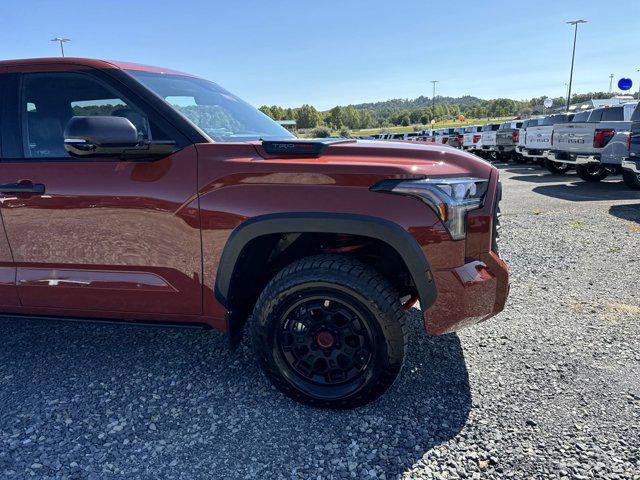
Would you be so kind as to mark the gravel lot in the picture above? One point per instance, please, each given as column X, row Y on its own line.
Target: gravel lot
column 548, row 389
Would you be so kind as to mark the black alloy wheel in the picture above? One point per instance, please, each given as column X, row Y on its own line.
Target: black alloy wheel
column 592, row 172
column 329, row 331
column 324, row 339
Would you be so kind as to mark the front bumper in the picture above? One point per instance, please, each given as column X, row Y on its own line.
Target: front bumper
column 468, row 294
column 631, row 165
column 573, row 158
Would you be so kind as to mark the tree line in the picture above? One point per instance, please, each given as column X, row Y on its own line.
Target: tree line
column 416, row 111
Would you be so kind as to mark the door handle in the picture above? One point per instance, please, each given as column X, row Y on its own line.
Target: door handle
column 36, row 188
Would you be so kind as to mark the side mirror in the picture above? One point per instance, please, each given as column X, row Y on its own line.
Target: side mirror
column 99, row 135
column 111, row 136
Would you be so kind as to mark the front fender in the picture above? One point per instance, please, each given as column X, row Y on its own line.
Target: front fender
column 321, row 222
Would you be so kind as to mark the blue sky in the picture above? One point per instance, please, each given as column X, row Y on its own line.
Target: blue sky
column 350, row 51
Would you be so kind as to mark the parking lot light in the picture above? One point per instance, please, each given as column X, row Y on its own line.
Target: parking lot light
column 610, row 82
column 433, row 97
column 62, row 41
column 575, row 23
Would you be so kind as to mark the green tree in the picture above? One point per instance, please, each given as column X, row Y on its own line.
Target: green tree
column 321, row 132
column 425, row 119
column 278, row 113
column 334, row 117
column 366, row 120
column 307, row 116
column 267, row 111
column 350, row 118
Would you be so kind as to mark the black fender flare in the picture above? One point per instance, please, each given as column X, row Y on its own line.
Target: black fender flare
column 320, row 222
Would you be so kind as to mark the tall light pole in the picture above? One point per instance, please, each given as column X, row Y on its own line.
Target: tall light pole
column 575, row 23
column 62, row 41
column 433, row 97
column 610, row 82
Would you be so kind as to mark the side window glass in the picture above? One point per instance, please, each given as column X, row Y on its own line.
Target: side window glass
column 595, row 116
column 49, row 100
column 612, row 114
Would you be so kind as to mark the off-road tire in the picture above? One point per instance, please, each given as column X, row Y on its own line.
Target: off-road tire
column 557, row 168
column 631, row 179
column 592, row 173
column 348, row 280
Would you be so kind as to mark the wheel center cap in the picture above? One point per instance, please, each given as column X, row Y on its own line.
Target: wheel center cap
column 325, row 339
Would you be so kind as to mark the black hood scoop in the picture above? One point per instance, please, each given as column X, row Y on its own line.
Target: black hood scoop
column 301, row 146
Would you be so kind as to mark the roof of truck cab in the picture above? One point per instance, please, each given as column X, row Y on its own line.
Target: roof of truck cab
column 87, row 62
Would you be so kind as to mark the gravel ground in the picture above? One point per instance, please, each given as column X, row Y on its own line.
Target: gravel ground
column 548, row 389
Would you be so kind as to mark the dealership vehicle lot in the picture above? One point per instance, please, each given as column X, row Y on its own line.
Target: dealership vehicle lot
column 550, row 387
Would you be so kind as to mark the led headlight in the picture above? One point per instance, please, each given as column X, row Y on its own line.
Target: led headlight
column 450, row 198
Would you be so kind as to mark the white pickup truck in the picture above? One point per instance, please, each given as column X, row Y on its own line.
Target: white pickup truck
column 449, row 136
column 455, row 138
column 537, row 142
column 522, row 136
column 489, row 135
column 471, row 138
column 592, row 143
column 507, row 138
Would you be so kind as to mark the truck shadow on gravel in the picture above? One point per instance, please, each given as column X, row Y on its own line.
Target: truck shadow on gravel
column 578, row 191
column 631, row 213
column 80, row 399
column 536, row 174
column 544, row 178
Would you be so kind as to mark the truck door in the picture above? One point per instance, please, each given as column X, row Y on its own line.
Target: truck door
column 8, row 292
column 95, row 235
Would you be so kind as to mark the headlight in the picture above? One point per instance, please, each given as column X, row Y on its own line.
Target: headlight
column 450, row 198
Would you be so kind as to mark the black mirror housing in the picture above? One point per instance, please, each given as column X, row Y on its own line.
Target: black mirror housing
column 99, row 135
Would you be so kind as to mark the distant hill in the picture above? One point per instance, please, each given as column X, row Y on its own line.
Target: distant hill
column 418, row 111
column 420, row 102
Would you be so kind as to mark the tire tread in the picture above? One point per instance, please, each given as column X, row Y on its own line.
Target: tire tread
column 348, row 272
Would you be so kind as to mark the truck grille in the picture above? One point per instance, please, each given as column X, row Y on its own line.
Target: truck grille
column 495, row 236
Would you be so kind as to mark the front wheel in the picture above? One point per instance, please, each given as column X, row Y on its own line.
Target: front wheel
column 329, row 331
column 558, row 168
column 592, row 172
column 631, row 179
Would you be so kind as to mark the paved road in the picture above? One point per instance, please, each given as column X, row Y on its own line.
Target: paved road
column 549, row 388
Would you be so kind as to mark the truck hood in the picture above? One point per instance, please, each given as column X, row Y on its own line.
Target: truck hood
column 392, row 157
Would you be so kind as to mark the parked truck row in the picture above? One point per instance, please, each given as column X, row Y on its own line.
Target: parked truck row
column 596, row 142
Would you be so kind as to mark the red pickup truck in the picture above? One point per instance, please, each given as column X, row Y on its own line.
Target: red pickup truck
column 143, row 194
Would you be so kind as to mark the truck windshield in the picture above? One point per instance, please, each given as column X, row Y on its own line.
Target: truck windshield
column 218, row 113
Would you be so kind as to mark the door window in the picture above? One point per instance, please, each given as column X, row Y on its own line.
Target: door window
column 612, row 114
column 595, row 116
column 50, row 100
